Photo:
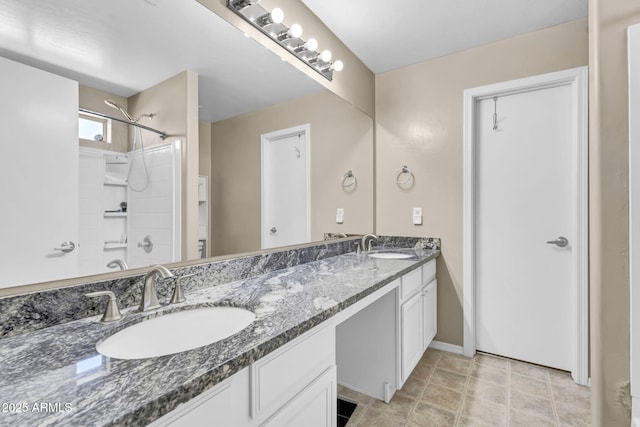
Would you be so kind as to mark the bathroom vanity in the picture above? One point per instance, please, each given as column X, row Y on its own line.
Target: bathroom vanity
column 282, row 369
column 371, row 346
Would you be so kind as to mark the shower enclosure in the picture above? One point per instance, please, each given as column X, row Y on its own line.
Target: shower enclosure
column 140, row 228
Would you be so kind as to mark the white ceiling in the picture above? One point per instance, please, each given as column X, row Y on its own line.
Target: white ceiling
column 388, row 34
column 125, row 46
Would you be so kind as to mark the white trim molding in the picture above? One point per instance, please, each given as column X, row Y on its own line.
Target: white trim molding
column 445, row 346
column 633, row 35
column 577, row 78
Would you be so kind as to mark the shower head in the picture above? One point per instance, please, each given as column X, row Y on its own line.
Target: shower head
column 111, row 103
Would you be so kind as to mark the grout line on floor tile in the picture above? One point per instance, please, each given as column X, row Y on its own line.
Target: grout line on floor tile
column 508, row 396
column 464, row 393
column 466, row 390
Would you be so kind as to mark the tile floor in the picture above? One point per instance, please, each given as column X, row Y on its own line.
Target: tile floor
column 450, row 390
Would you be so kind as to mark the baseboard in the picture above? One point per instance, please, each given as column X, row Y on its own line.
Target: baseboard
column 451, row 348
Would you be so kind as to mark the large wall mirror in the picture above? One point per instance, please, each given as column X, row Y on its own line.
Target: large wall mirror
column 248, row 134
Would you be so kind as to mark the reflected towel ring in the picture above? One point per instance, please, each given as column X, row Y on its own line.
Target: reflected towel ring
column 402, row 171
column 345, row 179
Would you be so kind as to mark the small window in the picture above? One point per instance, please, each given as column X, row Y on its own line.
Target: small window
column 93, row 128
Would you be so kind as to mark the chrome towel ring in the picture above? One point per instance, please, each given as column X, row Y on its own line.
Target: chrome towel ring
column 402, row 171
column 348, row 179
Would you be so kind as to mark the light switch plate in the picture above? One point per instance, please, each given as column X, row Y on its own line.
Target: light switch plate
column 417, row 216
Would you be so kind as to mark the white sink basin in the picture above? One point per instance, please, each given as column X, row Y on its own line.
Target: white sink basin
column 389, row 255
column 176, row 332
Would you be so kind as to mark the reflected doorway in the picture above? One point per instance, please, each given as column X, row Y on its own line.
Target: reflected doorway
column 286, row 213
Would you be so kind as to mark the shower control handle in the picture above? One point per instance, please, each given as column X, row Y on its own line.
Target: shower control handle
column 66, row 247
column 146, row 244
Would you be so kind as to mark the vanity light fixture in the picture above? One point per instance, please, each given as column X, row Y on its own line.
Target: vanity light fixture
column 295, row 32
column 276, row 16
column 271, row 24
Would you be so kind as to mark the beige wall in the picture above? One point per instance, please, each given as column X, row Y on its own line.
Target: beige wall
column 93, row 99
column 355, row 83
column 609, row 232
column 174, row 102
column 419, row 121
column 341, row 140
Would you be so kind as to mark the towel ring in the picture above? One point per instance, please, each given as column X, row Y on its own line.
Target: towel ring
column 346, row 183
column 402, row 171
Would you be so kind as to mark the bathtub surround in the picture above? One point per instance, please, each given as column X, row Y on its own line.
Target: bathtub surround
column 24, row 313
column 60, row 364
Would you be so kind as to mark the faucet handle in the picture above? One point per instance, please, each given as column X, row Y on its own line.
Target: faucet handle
column 178, row 293
column 358, row 249
column 112, row 312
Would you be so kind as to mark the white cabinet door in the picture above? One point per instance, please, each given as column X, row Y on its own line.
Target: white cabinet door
column 226, row 404
column 429, row 312
column 281, row 375
column 314, row 407
column 412, row 337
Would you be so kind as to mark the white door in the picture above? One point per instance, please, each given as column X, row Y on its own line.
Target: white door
column 39, row 122
column 524, row 287
column 91, row 212
column 285, row 187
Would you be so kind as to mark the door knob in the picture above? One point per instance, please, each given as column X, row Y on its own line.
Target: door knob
column 65, row 247
column 273, row 230
column 560, row 242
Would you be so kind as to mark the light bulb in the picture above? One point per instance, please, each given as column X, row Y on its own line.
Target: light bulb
column 326, row 55
column 311, row 44
column 295, row 31
column 337, row 66
column 277, row 15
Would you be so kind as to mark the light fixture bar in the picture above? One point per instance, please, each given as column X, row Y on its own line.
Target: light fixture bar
column 270, row 24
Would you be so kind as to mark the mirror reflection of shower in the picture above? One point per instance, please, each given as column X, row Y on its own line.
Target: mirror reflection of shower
column 137, row 138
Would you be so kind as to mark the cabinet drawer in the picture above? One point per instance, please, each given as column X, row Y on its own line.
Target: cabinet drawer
column 429, row 271
column 316, row 406
column 281, row 375
column 411, row 283
column 227, row 403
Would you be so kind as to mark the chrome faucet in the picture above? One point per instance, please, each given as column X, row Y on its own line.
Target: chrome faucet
column 364, row 241
column 149, row 293
column 118, row 263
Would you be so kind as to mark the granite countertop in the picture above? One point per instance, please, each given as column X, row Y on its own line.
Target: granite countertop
column 55, row 376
